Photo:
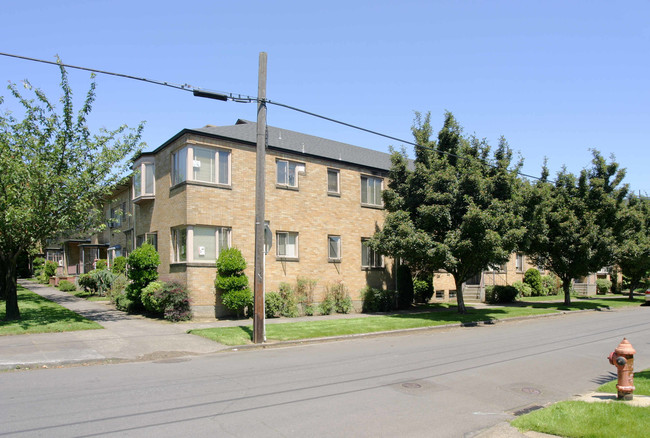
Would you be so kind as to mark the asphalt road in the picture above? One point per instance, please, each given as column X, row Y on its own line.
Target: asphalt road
column 444, row 383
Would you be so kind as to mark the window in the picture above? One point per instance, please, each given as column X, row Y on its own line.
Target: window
column 179, row 166
column 209, row 165
column 116, row 215
column 333, row 181
column 520, row 262
column 144, row 177
column 369, row 258
column 179, row 244
column 150, row 238
column 371, row 190
column 287, row 173
column 334, row 248
column 199, row 243
column 287, row 245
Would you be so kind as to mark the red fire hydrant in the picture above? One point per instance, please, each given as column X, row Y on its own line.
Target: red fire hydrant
column 623, row 359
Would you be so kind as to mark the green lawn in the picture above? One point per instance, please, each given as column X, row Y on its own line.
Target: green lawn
column 371, row 324
column 575, row 419
column 39, row 315
column 641, row 384
column 88, row 296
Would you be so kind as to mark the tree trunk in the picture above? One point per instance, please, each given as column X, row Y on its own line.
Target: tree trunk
column 459, row 295
column 632, row 289
column 8, row 272
column 566, row 286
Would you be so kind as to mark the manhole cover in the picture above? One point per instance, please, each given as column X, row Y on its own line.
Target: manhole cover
column 529, row 390
column 411, row 385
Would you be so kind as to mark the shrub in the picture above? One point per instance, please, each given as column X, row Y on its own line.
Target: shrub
column 38, row 264
column 67, row 286
column 328, row 304
column 43, row 278
column 500, row 294
column 523, row 289
column 50, row 268
column 101, row 264
column 533, row 278
column 305, row 290
column 309, row 309
column 119, row 265
column 423, row 289
column 377, row 300
column 550, row 284
column 143, row 269
column 336, row 299
column 122, row 302
column 289, row 301
column 405, row 287
column 118, row 287
column 232, row 282
column 272, row 304
column 97, row 281
column 603, row 285
column 175, row 299
column 150, row 297
column 237, row 301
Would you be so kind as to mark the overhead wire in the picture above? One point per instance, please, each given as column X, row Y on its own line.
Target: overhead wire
column 239, row 98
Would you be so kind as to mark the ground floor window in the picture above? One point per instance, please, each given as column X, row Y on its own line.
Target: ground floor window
column 334, row 248
column 199, row 243
column 287, row 245
column 370, row 258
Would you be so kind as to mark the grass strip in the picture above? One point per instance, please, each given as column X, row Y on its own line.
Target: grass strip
column 577, row 419
column 40, row 315
column 89, row 296
column 372, row 324
column 641, row 384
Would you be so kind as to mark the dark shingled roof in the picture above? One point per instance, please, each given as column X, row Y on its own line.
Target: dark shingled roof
column 296, row 143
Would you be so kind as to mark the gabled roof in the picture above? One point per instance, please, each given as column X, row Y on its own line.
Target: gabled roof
column 293, row 142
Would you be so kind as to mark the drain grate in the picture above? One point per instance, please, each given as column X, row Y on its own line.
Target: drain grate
column 526, row 410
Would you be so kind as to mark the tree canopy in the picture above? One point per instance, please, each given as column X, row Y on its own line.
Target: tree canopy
column 54, row 174
column 457, row 207
column 633, row 254
column 572, row 222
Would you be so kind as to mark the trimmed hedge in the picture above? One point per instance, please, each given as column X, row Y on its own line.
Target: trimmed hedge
column 500, row 294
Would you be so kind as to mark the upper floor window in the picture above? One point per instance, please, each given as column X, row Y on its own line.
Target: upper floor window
column 206, row 164
column 371, row 190
column 287, row 173
column 116, row 215
column 369, row 257
column 144, row 179
column 333, row 179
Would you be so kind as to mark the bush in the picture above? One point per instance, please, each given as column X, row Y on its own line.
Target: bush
column 143, row 269
column 550, row 284
column 289, row 301
column 377, row 300
column 118, row 287
column 328, row 304
column 305, row 290
column 43, row 278
column 50, row 269
column 101, row 264
column 230, row 262
column 336, row 299
column 309, row 309
column 603, row 285
column 237, row 301
column 523, row 289
column 119, row 265
column 405, row 287
column 67, row 286
column 122, row 302
column 272, row 304
column 38, row 264
column 500, row 294
column 150, row 297
column 423, row 289
column 533, row 278
column 175, row 299
column 97, row 281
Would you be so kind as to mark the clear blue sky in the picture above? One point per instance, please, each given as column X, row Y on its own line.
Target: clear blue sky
column 556, row 78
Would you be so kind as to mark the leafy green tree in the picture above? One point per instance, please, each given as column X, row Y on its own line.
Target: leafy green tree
column 53, row 174
column 572, row 222
column 633, row 255
column 458, row 208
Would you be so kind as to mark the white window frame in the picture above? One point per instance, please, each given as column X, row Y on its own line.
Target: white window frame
column 366, row 181
column 219, row 234
column 187, row 172
column 140, row 175
column 334, row 243
column 519, row 262
column 291, row 171
column 373, row 259
column 281, row 250
column 337, row 172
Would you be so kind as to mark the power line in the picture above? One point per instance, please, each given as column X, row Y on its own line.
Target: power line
column 248, row 99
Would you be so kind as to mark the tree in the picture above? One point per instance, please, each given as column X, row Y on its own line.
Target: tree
column 633, row 255
column 54, row 174
column 457, row 208
column 572, row 222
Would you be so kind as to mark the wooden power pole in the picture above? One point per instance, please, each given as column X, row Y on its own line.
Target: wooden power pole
column 259, row 335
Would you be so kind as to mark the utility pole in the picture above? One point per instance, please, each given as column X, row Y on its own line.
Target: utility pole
column 259, row 335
